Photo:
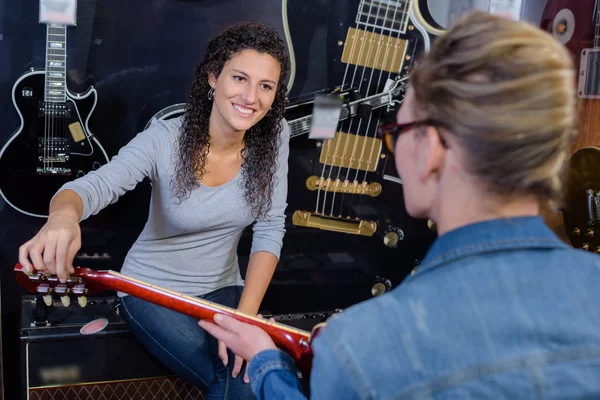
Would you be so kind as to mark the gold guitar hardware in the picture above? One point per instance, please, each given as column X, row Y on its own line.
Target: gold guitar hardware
column 351, row 151
column 336, row 224
column 597, row 250
column 337, row 186
column 589, row 233
column 391, row 239
column 65, row 300
column 585, row 246
column 576, row 231
column 47, row 300
column 385, row 59
column 378, row 289
column 82, row 301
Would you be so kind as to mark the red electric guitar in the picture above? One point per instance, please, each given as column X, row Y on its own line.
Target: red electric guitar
column 86, row 281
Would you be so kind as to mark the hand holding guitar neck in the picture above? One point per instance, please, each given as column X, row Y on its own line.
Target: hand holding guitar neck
column 86, row 281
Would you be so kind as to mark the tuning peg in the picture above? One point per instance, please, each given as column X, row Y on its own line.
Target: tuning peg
column 65, row 300
column 589, row 233
column 47, row 300
column 82, row 300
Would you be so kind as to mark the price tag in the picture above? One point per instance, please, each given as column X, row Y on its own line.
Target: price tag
column 325, row 117
column 62, row 12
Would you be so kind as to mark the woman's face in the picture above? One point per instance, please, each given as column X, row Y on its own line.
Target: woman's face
column 244, row 91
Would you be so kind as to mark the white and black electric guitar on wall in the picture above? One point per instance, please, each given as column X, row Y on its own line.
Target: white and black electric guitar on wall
column 54, row 144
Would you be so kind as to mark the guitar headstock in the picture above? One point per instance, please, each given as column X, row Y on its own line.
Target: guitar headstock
column 79, row 285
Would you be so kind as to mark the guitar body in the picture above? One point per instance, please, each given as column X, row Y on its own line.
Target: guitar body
column 21, row 184
column 574, row 23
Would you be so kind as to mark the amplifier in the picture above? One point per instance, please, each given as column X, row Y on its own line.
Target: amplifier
column 61, row 363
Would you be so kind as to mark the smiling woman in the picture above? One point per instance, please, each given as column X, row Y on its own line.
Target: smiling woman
column 219, row 168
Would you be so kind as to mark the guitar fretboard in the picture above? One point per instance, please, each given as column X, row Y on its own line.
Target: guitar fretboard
column 206, row 304
column 388, row 15
column 56, row 59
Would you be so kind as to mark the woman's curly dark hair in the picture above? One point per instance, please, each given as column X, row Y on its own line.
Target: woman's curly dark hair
column 261, row 142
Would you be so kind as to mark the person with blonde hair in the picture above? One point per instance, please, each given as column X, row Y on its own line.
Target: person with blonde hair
column 499, row 307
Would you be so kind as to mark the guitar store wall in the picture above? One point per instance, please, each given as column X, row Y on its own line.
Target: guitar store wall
column 140, row 56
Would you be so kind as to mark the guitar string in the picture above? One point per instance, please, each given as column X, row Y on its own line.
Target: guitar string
column 355, row 201
column 63, row 88
column 327, row 143
column 206, row 303
column 412, row 57
column 368, row 92
column 353, row 198
column 46, row 102
column 352, row 83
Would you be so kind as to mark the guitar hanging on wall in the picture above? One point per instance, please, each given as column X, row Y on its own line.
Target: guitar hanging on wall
column 577, row 26
column 352, row 171
column 54, row 144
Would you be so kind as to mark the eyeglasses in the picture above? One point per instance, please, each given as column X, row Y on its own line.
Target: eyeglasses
column 389, row 133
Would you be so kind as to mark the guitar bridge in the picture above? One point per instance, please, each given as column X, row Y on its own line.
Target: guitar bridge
column 337, row 186
column 53, row 171
column 352, row 226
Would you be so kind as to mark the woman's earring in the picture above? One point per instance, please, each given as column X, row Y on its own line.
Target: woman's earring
column 211, row 93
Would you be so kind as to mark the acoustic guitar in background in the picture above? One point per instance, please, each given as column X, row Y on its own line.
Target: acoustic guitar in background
column 577, row 25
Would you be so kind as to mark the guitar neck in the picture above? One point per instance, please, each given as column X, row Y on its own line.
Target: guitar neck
column 56, row 60
column 388, row 15
column 294, row 341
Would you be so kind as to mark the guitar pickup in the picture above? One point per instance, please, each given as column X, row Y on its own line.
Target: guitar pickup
column 589, row 79
column 337, row 186
column 351, row 151
column 335, row 224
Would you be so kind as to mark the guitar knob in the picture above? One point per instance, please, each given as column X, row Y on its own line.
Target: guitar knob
column 96, row 165
column 48, row 300
column 65, row 300
column 391, row 239
column 82, row 301
column 431, row 225
column 381, row 286
column 576, row 231
column 378, row 289
column 597, row 250
column 79, row 173
column 585, row 246
column 589, row 233
column 392, row 236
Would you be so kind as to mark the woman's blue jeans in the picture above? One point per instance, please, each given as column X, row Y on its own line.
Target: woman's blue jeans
column 188, row 350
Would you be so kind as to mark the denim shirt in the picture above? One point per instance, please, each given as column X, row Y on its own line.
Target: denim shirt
column 497, row 309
